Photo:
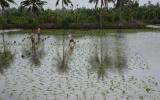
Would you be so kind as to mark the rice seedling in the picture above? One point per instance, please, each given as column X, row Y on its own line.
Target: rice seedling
column 62, row 61
column 100, row 61
column 6, row 58
column 35, row 53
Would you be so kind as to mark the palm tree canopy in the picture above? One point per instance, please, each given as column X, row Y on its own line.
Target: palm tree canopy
column 34, row 6
column 66, row 2
column 5, row 3
column 103, row 2
column 122, row 3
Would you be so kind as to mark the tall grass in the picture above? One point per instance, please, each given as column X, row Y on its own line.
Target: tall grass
column 6, row 60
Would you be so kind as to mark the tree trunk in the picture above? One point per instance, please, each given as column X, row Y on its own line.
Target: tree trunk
column 118, row 3
column 63, row 40
column 63, row 50
column 4, row 47
column 120, row 14
column 101, row 25
column 106, row 5
column 101, row 41
column 4, row 50
column 62, row 5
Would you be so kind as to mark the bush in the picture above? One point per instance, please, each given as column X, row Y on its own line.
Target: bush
column 128, row 13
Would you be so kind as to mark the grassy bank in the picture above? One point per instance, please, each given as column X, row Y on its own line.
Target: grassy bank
column 85, row 31
column 124, row 25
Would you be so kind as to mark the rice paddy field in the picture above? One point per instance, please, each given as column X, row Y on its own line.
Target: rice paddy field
column 116, row 66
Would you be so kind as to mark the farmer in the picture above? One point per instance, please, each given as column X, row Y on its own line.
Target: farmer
column 33, row 39
column 71, row 41
column 38, row 33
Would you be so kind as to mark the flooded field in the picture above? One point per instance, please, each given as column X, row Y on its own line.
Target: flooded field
column 112, row 67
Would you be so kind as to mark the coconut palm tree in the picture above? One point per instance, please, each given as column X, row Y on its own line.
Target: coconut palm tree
column 5, row 4
column 118, row 4
column 64, row 2
column 104, row 3
column 33, row 6
column 121, row 3
column 6, row 57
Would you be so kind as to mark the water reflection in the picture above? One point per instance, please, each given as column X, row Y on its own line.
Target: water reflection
column 62, row 62
column 101, row 60
column 120, row 59
column 37, row 54
column 19, row 82
column 63, row 56
column 6, row 59
column 107, row 56
column 34, row 52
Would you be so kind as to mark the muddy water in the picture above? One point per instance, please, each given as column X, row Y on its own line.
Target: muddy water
column 116, row 67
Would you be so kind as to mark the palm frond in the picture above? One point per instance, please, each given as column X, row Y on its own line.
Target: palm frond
column 66, row 2
column 104, row 3
column 57, row 2
column 34, row 6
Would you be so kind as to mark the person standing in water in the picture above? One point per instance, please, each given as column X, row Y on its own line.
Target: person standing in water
column 38, row 33
column 71, row 41
column 33, row 39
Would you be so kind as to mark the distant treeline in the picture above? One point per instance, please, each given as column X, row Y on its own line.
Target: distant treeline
column 130, row 16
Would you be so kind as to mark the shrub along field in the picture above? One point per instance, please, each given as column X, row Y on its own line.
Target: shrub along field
column 129, row 16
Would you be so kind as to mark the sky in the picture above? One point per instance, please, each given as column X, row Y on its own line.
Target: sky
column 81, row 3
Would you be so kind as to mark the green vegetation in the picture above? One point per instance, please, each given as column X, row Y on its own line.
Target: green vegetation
column 62, row 64
column 33, row 6
column 62, row 61
column 82, row 32
column 4, row 4
column 64, row 2
column 121, row 58
column 34, row 53
column 100, row 64
column 5, row 60
column 129, row 15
